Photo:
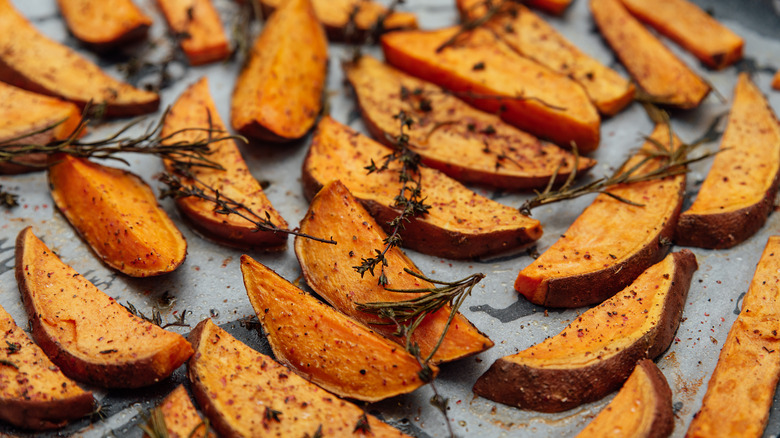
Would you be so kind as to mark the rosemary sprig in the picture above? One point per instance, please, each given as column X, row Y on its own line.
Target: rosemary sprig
column 156, row 318
column 8, row 199
column 352, row 33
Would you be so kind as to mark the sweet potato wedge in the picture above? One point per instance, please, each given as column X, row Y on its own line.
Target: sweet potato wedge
column 195, row 109
column 531, row 36
column 739, row 192
column 325, row 346
column 24, row 113
column 742, row 388
column 610, row 243
column 335, row 17
column 203, row 39
column 328, row 271
column 642, row 408
column 596, row 353
column 35, row 394
column 473, row 147
column 695, row 30
column 89, row 335
column 117, row 214
column 657, row 71
column 105, row 24
column 278, row 94
column 489, row 75
column 181, row 418
column 31, row 61
column 776, row 81
column 245, row 393
column 460, row 223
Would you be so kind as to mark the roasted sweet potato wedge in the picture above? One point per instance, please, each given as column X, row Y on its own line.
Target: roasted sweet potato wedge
column 24, row 117
column 473, row 147
column 181, row 418
column 195, row 109
column 596, row 353
column 325, row 346
column 31, row 61
column 460, row 223
column 89, row 335
column 117, row 214
column 642, row 408
column 104, row 24
column 611, row 242
column 662, row 76
column 245, row 393
column 278, row 94
column 328, row 271
column 202, row 37
column 742, row 388
column 489, row 75
column 692, row 28
column 35, row 394
column 531, row 36
column 335, row 17
column 738, row 194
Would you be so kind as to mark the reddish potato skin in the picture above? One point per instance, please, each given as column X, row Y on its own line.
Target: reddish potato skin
column 557, row 390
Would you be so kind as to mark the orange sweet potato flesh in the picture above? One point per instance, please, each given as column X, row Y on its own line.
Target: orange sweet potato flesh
column 694, row 29
column 35, row 394
column 460, row 223
column 596, row 353
column 24, row 113
column 739, row 192
column 195, row 109
column 741, row 389
column 102, row 24
column 523, row 92
column 236, row 386
column 657, row 71
column 531, row 36
column 335, row 17
column 325, row 346
column 455, row 145
column 642, row 408
column 31, row 61
column 89, row 335
column 278, row 94
column 328, row 271
column 203, row 38
column 181, row 418
column 610, row 243
column 776, row 81
column 117, row 214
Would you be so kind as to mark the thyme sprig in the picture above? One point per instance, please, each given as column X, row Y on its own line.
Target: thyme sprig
column 156, row 317
column 8, row 199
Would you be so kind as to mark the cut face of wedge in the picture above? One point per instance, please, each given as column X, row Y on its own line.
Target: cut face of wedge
column 89, row 335
column 328, row 271
column 181, row 418
column 103, row 24
column 204, row 39
column 521, row 91
column 642, row 408
column 34, row 393
column 611, row 242
column 460, row 223
column 472, row 147
column 118, row 215
column 245, row 393
column 31, row 61
column 596, row 353
column 195, row 110
column 323, row 345
column 738, row 194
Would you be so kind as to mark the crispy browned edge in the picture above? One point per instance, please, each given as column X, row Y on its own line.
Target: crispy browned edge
column 663, row 414
column 134, row 375
column 529, row 388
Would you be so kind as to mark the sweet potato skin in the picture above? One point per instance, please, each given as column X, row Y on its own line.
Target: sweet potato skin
column 103, row 25
column 742, row 387
column 739, row 192
column 481, row 226
column 181, row 418
column 555, row 7
column 196, row 109
column 776, row 81
column 323, row 345
column 205, row 40
column 556, row 388
column 48, row 288
column 278, row 94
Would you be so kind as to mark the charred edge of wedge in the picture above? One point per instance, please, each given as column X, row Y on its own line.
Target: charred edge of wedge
column 218, row 422
column 133, row 35
column 556, row 390
column 266, row 241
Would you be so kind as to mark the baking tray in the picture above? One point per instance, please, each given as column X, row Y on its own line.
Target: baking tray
column 209, row 283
